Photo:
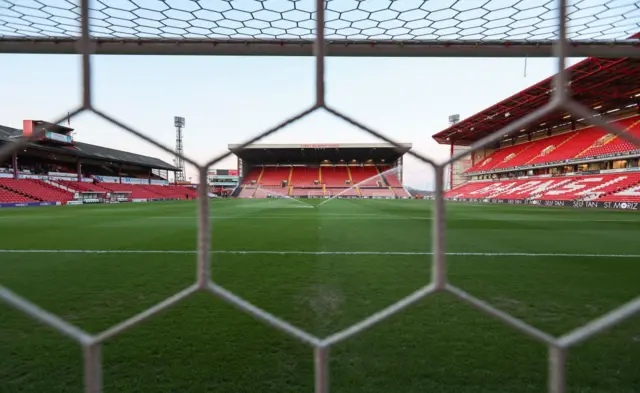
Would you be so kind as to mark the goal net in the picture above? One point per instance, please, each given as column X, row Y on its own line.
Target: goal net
column 430, row 28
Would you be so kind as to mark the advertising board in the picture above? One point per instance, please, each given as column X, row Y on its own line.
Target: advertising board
column 556, row 203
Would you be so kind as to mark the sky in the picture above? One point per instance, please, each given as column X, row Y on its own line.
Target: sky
column 227, row 100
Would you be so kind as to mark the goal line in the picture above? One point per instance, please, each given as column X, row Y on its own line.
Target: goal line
column 293, row 252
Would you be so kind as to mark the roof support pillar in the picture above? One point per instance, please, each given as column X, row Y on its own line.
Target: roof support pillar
column 14, row 163
column 79, row 170
column 451, row 168
column 120, row 174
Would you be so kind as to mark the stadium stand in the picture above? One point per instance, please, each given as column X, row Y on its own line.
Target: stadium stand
column 304, row 176
column 246, row 192
column 274, row 176
column 611, row 144
column 589, row 142
column 360, row 175
column 335, row 176
column 9, row 196
column 631, row 194
column 315, row 171
column 556, row 159
column 252, row 176
column 82, row 186
column 37, row 190
column 591, row 187
column 43, row 172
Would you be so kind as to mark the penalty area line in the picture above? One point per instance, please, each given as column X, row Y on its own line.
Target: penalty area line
column 293, row 252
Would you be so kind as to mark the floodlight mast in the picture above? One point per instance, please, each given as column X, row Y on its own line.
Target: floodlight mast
column 453, row 119
column 179, row 123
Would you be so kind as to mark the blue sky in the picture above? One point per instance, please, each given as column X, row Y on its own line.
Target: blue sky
column 229, row 99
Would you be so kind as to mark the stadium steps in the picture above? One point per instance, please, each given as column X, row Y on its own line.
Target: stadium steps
column 246, row 192
column 628, row 194
column 60, row 186
column 385, row 181
column 598, row 191
column 627, row 183
column 588, row 186
column 383, row 177
column 507, row 157
column 611, row 138
column 499, row 156
column 541, row 194
column 24, row 197
column 290, row 192
column 324, row 190
column 84, row 187
column 537, row 147
column 596, row 144
column 350, row 177
column 260, row 175
column 555, row 147
column 500, row 191
column 8, row 196
column 320, row 176
column 290, row 176
column 335, row 176
column 392, row 178
column 52, row 193
column 36, row 189
column 358, row 191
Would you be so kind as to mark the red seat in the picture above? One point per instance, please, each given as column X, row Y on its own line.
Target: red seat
column 588, row 142
column 335, row 176
column 304, row 176
column 591, row 187
column 36, row 190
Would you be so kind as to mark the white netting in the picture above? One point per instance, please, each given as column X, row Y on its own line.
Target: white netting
column 17, row 19
column 350, row 20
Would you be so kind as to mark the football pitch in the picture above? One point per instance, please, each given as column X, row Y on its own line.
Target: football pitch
column 321, row 269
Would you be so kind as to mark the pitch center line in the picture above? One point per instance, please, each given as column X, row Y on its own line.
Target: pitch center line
column 293, row 252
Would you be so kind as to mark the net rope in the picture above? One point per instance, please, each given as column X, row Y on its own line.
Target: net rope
column 522, row 28
column 345, row 19
column 560, row 99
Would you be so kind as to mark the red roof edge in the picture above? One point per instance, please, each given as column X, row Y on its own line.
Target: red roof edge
column 440, row 135
column 539, row 84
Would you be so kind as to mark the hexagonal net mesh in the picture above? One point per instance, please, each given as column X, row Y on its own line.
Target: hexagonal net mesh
column 321, row 21
column 409, row 21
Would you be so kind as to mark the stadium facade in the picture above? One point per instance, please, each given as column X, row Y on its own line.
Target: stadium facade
column 561, row 161
column 222, row 182
column 341, row 170
column 54, row 169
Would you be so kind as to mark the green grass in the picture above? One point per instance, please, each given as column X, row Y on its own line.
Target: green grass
column 205, row 345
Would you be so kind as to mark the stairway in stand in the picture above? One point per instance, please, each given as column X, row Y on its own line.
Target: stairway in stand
column 260, row 176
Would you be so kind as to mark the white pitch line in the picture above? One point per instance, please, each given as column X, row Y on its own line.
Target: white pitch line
column 293, row 252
